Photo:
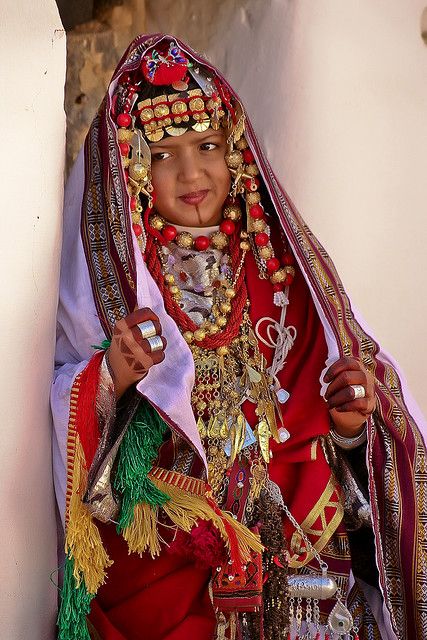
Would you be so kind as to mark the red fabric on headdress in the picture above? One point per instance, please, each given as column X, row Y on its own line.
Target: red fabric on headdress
column 164, row 66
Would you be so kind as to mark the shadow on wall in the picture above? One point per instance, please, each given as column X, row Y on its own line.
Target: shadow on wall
column 98, row 31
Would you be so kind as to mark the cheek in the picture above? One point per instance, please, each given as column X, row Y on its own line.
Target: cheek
column 162, row 184
column 223, row 180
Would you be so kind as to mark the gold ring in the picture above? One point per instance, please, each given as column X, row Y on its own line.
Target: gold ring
column 147, row 329
column 359, row 391
column 156, row 343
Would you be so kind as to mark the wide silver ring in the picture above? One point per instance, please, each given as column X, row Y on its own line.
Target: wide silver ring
column 156, row 343
column 147, row 329
column 359, row 391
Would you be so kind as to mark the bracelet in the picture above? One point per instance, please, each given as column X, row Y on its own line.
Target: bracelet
column 348, row 443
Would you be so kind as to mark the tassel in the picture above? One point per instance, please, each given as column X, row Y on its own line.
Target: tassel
column 87, row 425
column 75, row 606
column 83, row 540
column 185, row 509
column 141, row 535
column 136, row 455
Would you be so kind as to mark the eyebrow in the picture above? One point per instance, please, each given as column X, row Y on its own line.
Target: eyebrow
column 170, row 142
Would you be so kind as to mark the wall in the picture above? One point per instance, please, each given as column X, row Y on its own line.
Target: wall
column 338, row 93
column 32, row 61
column 94, row 48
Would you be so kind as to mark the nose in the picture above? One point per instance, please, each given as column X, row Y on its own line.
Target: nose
column 191, row 167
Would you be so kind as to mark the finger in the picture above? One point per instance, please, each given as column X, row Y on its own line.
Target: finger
column 345, row 379
column 146, row 345
column 137, row 357
column 141, row 315
column 344, row 396
column 159, row 356
column 361, row 405
column 341, row 365
column 136, row 331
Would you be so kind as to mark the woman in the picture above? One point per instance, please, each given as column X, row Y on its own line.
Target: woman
column 215, row 398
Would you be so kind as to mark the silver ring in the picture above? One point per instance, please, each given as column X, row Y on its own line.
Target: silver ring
column 359, row 391
column 156, row 343
column 147, row 329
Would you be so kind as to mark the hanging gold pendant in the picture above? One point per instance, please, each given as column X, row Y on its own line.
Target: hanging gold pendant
column 238, row 435
column 271, row 419
column 214, row 428
column 263, row 439
column 202, row 428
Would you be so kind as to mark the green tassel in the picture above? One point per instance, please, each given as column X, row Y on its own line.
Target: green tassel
column 137, row 453
column 104, row 345
column 75, row 606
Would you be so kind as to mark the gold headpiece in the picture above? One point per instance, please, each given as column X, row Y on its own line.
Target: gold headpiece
column 174, row 114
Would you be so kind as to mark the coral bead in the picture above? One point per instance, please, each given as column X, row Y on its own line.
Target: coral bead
column 251, row 184
column 248, row 156
column 287, row 259
column 289, row 279
column 261, row 239
column 227, row 227
column 169, row 232
column 133, row 203
column 124, row 148
column 277, row 287
column 137, row 229
column 202, row 243
column 272, row 265
column 256, row 212
column 124, row 119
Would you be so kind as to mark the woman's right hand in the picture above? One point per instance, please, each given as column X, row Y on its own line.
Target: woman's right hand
column 130, row 355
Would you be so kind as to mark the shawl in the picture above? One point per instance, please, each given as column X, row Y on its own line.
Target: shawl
column 104, row 277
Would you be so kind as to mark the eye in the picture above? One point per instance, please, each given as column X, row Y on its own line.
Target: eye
column 208, row 146
column 161, row 155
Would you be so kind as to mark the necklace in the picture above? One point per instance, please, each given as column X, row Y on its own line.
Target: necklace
column 229, row 367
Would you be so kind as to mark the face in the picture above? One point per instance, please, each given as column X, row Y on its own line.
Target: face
column 190, row 177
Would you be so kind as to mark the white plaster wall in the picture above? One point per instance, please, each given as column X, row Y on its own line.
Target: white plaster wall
column 338, row 90
column 32, row 72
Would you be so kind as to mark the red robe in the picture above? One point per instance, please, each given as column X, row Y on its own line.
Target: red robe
column 167, row 598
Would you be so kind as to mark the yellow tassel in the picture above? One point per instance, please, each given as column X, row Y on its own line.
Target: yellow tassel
column 185, row 509
column 142, row 534
column 83, row 540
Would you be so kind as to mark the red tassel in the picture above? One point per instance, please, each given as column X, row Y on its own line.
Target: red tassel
column 86, row 417
column 277, row 562
column 235, row 558
column 203, row 545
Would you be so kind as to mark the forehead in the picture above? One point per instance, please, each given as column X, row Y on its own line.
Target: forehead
column 189, row 138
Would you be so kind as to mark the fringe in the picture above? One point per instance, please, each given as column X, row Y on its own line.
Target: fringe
column 185, row 510
column 83, row 541
column 141, row 535
column 74, row 607
column 136, row 455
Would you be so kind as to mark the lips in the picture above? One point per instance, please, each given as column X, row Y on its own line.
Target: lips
column 194, row 197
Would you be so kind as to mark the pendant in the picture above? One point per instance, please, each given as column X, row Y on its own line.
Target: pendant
column 340, row 619
column 263, row 439
column 282, row 395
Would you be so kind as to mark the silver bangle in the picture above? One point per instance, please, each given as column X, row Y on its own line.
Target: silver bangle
column 348, row 443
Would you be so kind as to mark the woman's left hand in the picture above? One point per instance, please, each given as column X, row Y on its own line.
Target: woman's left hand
column 349, row 412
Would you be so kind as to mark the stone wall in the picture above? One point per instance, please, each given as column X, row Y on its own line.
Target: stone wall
column 93, row 51
column 199, row 22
